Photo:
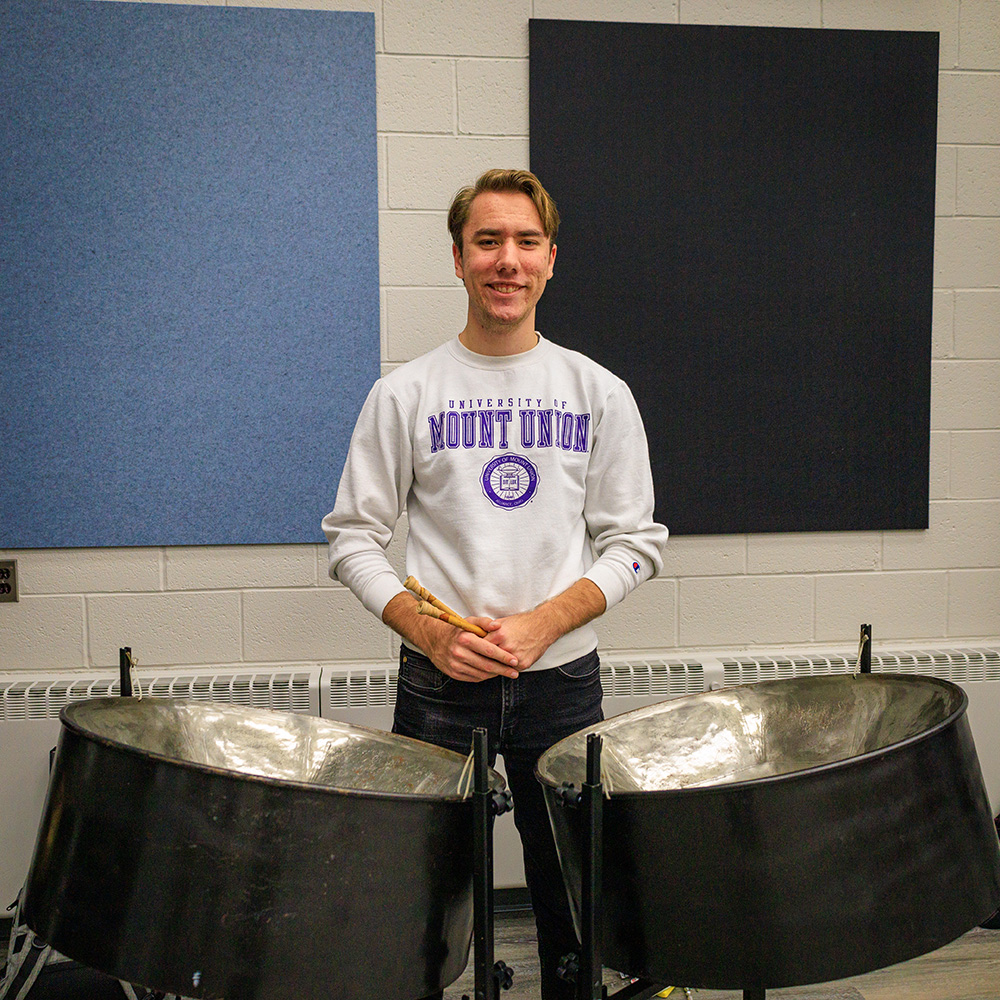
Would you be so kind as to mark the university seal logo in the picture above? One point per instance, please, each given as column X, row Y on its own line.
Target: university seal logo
column 509, row 481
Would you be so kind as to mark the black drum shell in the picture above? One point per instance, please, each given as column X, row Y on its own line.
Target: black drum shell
column 804, row 877
column 208, row 883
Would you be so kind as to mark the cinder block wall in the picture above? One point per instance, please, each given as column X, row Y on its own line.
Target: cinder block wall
column 453, row 100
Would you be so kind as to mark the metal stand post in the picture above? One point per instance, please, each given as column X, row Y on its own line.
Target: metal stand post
column 590, row 981
column 490, row 976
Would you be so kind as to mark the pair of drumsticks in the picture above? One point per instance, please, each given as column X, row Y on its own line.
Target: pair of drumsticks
column 430, row 605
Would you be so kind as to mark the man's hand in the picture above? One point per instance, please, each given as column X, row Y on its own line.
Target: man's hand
column 527, row 635
column 455, row 652
column 514, row 643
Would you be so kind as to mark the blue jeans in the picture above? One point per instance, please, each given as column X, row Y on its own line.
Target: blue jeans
column 523, row 717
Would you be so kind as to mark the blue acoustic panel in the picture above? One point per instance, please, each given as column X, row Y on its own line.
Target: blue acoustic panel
column 189, row 248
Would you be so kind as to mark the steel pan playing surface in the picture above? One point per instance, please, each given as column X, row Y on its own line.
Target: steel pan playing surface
column 217, row 851
column 785, row 832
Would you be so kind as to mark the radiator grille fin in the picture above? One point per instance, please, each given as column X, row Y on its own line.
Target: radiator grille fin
column 641, row 678
column 362, row 688
column 950, row 664
column 956, row 665
column 45, row 698
column 749, row 670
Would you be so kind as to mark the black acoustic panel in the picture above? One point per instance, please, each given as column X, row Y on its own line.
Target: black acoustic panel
column 747, row 239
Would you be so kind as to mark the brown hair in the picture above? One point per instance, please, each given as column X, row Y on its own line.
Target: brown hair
column 503, row 180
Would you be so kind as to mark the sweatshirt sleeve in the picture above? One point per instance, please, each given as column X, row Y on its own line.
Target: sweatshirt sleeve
column 628, row 544
column 370, row 500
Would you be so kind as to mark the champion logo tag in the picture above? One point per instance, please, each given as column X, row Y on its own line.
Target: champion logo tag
column 635, row 568
column 509, row 481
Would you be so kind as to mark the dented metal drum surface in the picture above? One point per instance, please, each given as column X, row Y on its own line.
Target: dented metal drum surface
column 212, row 850
column 784, row 833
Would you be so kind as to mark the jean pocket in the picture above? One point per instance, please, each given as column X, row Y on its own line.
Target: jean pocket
column 418, row 673
column 584, row 668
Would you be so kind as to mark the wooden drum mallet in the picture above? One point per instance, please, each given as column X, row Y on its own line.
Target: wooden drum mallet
column 434, row 608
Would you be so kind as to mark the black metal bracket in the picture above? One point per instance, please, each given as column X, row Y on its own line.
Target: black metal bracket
column 569, row 795
column 865, row 657
column 124, row 671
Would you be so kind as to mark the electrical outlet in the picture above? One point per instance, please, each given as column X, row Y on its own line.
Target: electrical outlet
column 8, row 580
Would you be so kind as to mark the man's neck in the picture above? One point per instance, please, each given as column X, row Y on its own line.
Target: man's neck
column 500, row 341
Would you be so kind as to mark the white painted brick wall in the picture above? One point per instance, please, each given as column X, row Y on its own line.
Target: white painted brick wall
column 650, row 11
column 705, row 555
column 905, row 606
column 977, row 323
column 975, row 464
column 969, row 107
column 309, row 625
column 977, row 185
column 973, row 597
column 803, row 553
column 962, row 534
column 979, row 35
column 43, row 633
column 787, row 13
column 964, row 394
column 415, row 94
column 452, row 96
column 940, row 484
column 646, row 621
column 748, row 610
column 236, row 567
column 946, row 182
column 899, row 15
column 166, row 628
column 492, row 97
column 967, row 252
column 943, row 324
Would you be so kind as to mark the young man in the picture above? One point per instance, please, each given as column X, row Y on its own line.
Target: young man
column 524, row 472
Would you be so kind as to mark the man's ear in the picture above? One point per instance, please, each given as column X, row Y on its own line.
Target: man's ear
column 552, row 259
column 457, row 254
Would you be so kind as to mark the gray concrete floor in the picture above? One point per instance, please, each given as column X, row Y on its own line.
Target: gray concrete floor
column 966, row 969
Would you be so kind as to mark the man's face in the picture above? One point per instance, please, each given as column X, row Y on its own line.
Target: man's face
column 506, row 259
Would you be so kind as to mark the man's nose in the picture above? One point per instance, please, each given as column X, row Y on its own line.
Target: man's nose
column 507, row 256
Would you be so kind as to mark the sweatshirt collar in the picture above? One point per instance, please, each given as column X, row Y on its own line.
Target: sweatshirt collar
column 505, row 362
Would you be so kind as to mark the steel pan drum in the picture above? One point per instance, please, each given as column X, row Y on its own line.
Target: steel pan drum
column 217, row 851
column 784, row 833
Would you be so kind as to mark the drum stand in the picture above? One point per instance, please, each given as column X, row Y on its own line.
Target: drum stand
column 25, row 954
column 490, row 977
column 587, row 968
column 28, row 955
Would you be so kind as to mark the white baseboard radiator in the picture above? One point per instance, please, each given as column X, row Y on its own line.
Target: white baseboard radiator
column 365, row 693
